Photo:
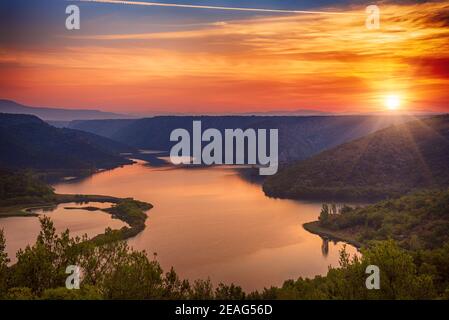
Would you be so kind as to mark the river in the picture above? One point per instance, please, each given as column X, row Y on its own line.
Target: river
column 206, row 222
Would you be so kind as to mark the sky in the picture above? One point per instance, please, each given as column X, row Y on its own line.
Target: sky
column 151, row 59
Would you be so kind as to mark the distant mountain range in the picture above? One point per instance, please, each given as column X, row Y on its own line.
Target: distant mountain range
column 28, row 142
column 54, row 114
column 299, row 112
column 59, row 117
column 387, row 163
column 299, row 137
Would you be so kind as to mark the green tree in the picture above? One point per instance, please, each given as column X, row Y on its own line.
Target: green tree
column 86, row 292
column 231, row 292
column 324, row 214
column 175, row 288
column 399, row 277
column 3, row 265
column 134, row 278
column 201, row 290
column 42, row 266
column 20, row 293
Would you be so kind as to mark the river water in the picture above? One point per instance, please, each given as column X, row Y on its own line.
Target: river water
column 206, row 222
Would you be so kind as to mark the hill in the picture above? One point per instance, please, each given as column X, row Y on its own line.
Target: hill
column 105, row 128
column 390, row 162
column 28, row 142
column 23, row 186
column 54, row 114
column 299, row 137
column 416, row 221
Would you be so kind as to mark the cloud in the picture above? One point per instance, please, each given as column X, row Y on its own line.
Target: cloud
column 328, row 62
column 209, row 7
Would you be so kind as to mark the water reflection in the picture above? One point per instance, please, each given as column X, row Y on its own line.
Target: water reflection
column 325, row 247
column 23, row 231
column 41, row 210
column 209, row 222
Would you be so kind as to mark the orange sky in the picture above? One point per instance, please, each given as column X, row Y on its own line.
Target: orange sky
column 282, row 62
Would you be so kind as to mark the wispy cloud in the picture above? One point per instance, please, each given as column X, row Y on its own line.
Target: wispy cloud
column 193, row 6
column 327, row 62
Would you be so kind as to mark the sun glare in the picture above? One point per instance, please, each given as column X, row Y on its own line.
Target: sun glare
column 392, row 102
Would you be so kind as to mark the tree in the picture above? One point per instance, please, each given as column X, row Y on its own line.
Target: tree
column 175, row 288
column 399, row 277
column 113, row 270
column 231, row 292
column 324, row 214
column 201, row 290
column 3, row 265
column 134, row 278
column 20, row 293
column 86, row 292
column 42, row 266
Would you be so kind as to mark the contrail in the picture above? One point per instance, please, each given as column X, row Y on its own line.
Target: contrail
column 175, row 5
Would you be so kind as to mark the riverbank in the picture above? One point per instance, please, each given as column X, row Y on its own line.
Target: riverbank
column 131, row 211
column 20, row 207
column 315, row 228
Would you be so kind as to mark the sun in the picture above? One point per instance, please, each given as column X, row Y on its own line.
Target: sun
column 392, row 102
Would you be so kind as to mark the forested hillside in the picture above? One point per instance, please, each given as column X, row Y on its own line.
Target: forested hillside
column 416, row 221
column 299, row 137
column 28, row 142
column 22, row 187
column 387, row 163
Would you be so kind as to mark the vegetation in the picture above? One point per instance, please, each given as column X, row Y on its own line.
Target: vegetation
column 132, row 212
column 387, row 163
column 407, row 238
column 415, row 221
column 110, row 271
column 299, row 137
column 20, row 191
column 402, row 276
column 26, row 142
column 114, row 271
column 23, row 188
